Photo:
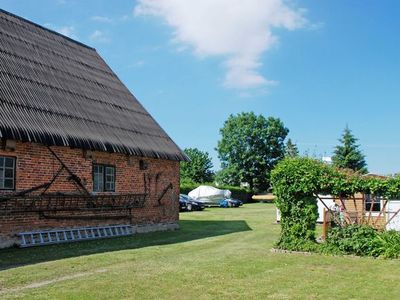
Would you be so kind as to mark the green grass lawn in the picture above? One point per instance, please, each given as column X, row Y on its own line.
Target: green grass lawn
column 217, row 253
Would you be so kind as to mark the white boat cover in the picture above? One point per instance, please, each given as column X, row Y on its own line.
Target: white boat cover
column 205, row 191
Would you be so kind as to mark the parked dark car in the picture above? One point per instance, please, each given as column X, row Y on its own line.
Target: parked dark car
column 230, row 203
column 188, row 204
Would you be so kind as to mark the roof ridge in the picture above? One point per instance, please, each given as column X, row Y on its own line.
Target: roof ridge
column 49, row 51
column 46, row 29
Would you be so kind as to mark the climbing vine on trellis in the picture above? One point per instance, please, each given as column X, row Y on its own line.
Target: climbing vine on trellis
column 297, row 181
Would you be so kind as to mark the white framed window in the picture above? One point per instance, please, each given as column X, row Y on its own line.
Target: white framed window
column 109, row 179
column 103, row 178
column 372, row 204
column 7, row 173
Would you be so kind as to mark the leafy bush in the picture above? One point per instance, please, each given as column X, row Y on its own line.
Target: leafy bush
column 352, row 239
column 388, row 244
column 293, row 183
column 362, row 240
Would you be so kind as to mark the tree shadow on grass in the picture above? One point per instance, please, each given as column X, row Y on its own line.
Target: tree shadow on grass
column 189, row 230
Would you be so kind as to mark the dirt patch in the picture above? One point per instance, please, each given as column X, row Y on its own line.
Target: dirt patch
column 275, row 250
column 48, row 282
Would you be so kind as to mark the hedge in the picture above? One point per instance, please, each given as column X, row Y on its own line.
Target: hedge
column 295, row 183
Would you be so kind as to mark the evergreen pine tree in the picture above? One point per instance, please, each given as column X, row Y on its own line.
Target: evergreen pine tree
column 291, row 149
column 348, row 155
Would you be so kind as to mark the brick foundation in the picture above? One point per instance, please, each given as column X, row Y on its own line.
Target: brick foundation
column 35, row 165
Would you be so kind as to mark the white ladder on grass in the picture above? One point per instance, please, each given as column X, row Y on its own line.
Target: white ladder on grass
column 55, row 236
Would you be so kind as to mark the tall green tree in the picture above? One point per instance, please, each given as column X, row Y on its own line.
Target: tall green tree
column 348, row 155
column 291, row 149
column 250, row 146
column 199, row 169
column 227, row 176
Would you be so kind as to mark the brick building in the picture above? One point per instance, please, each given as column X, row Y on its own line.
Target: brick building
column 77, row 149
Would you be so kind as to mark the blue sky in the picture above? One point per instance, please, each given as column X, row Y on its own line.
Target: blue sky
column 317, row 65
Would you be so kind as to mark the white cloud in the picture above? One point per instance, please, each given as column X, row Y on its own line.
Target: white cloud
column 316, row 26
column 101, row 19
column 139, row 63
column 98, row 36
column 125, row 17
column 135, row 65
column 68, row 31
column 240, row 31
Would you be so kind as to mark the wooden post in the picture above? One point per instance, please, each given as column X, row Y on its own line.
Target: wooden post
column 380, row 213
column 371, row 207
column 356, row 209
column 325, row 224
column 343, row 210
column 330, row 211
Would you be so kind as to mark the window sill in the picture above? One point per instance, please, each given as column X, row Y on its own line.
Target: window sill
column 105, row 193
column 374, row 213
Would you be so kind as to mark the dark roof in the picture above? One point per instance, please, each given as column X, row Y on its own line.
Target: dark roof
column 57, row 91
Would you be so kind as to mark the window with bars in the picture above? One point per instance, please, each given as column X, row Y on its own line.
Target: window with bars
column 103, row 178
column 7, row 173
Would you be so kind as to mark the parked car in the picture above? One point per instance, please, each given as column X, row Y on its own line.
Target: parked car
column 209, row 202
column 230, row 203
column 188, row 204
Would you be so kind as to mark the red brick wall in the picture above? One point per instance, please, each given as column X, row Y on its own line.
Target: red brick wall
column 35, row 165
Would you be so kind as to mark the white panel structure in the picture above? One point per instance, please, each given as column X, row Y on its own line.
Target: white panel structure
column 392, row 207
